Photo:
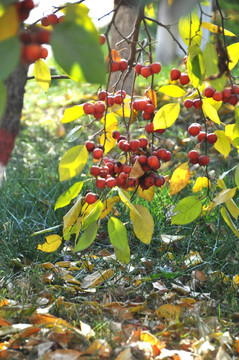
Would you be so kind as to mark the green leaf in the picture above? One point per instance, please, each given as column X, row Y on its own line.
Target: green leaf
column 65, row 198
column 75, row 44
column 237, row 176
column 73, row 162
column 222, row 144
column 71, row 216
column 42, row 74
column 3, row 98
column 118, row 238
column 125, row 197
column 166, row 116
column 51, row 244
column 172, row 90
column 10, row 53
column 190, row 29
column 195, row 66
column 229, row 221
column 186, row 211
column 143, row 224
column 94, row 214
column 87, row 238
column 72, row 114
column 210, row 112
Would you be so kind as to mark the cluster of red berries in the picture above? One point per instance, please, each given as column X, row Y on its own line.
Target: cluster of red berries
column 228, row 95
column 175, row 74
column 104, row 98
column 193, row 155
column 23, row 9
column 149, row 70
column 121, row 65
column 51, row 19
column 32, row 40
column 196, row 103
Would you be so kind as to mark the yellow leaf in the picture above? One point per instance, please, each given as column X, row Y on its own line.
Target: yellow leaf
column 147, row 194
column 232, row 133
column 42, row 74
column 179, row 179
column 123, row 109
column 233, row 53
column 72, row 113
column 232, row 208
column 235, row 280
column 9, row 23
column 106, row 138
column 72, row 215
column 125, row 198
column 201, row 182
column 193, row 259
column 51, row 244
column 153, row 97
column 95, row 279
column 108, row 206
column 166, row 116
column 168, row 311
column 73, row 162
column 222, row 144
column 136, row 171
column 190, row 29
column 143, row 224
column 216, row 29
column 224, row 196
column 229, row 221
column 210, row 112
column 172, row 90
column 214, row 103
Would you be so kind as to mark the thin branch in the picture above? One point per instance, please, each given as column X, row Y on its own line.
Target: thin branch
column 53, row 77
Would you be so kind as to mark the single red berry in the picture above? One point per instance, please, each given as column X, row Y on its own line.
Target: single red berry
column 28, row 4
column 122, row 93
column 42, row 36
column 44, row 52
column 149, row 128
column 209, row 91
column 155, row 68
column 143, row 159
column 201, row 136
column 102, row 95
column 104, row 172
column 143, row 142
column 235, row 89
column 149, row 108
column 146, row 71
column 52, row 19
column 110, row 100
column 111, row 182
column 123, row 65
column 233, row 100
column 168, row 156
column 146, row 115
column 100, row 183
column 194, row 129
column 193, row 155
column 217, row 96
column 118, row 99
column 197, row 103
column 184, row 79
column 99, row 106
column 123, row 177
column 61, row 19
column 211, row 138
column 131, row 182
column 159, row 181
column 115, row 134
column 175, row 74
column 127, row 169
column 32, row 52
column 146, row 167
column 188, row 103
column 203, row 160
column 153, row 162
column 90, row 145
column 161, row 153
column 95, row 170
column 149, row 181
column 226, row 93
column 102, row 39
column 89, row 108
column 134, row 145
column 91, row 198
column 114, row 66
column 97, row 153
column 44, row 21
column 121, row 138
column 26, row 38
column 138, row 68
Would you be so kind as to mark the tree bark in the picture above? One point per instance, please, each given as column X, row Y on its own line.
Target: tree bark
column 127, row 22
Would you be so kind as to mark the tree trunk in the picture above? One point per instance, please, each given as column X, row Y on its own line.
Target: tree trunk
column 127, row 21
column 10, row 120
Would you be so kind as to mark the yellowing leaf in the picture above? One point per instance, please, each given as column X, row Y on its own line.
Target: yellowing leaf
column 72, row 215
column 118, row 238
column 93, row 215
column 168, row 311
column 106, row 138
column 108, row 206
column 172, row 90
column 232, row 208
column 125, row 197
column 137, row 170
column 229, row 221
column 143, row 224
column 153, row 97
column 95, row 279
column 201, row 182
column 147, row 194
column 87, row 238
column 232, row 133
column 65, row 198
column 186, row 211
column 190, row 29
column 179, row 179
column 42, row 74
column 216, row 29
column 237, row 176
column 9, row 23
column 166, row 116
column 210, row 112
column 193, row 259
column 51, row 244
column 233, row 53
column 222, row 144
column 224, row 196
column 123, row 109
column 73, row 162
column 72, row 113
